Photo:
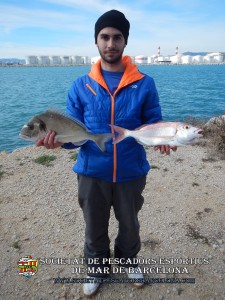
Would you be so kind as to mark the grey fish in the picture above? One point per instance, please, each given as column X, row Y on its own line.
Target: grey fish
column 67, row 128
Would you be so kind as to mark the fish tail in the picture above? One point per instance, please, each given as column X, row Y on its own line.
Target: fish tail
column 101, row 139
column 121, row 133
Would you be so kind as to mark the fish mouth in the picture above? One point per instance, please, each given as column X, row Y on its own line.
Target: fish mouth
column 200, row 132
column 24, row 137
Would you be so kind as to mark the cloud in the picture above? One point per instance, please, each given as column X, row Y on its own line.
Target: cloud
column 67, row 27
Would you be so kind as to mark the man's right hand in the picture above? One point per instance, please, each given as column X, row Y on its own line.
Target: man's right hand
column 49, row 141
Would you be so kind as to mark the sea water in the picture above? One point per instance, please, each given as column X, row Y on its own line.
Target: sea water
column 184, row 90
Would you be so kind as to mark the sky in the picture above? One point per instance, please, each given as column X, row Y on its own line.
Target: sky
column 66, row 27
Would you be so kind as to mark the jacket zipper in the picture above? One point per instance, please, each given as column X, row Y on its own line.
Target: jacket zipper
column 91, row 89
column 113, row 131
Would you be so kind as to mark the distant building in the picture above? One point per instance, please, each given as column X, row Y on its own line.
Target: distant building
column 158, row 58
column 43, row 60
column 141, row 59
column 57, row 60
column 31, row 60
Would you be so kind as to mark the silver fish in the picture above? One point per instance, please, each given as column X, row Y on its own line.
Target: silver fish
column 67, row 129
column 161, row 133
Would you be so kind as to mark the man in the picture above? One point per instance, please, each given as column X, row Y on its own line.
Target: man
column 114, row 92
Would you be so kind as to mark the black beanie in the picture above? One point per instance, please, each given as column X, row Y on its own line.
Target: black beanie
column 115, row 19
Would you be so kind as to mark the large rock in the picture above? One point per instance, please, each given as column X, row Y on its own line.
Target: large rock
column 215, row 124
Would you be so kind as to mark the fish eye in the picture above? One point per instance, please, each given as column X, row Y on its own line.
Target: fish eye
column 186, row 127
column 31, row 126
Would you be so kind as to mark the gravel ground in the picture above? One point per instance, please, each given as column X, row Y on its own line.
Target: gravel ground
column 182, row 218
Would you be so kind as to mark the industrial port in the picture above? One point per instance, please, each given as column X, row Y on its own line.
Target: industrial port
column 156, row 59
column 177, row 58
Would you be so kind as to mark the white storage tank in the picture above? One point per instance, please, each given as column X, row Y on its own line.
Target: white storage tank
column 85, row 60
column 197, row 59
column 55, row 60
column 186, row 59
column 218, row 59
column 153, row 59
column 43, row 60
column 65, row 60
column 31, row 60
column 141, row 59
column 150, row 60
column 175, row 59
column 76, row 60
column 207, row 59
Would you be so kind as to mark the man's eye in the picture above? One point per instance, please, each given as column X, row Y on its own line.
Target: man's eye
column 105, row 37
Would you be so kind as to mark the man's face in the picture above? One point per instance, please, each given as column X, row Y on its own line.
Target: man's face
column 111, row 44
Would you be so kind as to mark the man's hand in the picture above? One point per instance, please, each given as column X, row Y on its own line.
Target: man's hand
column 49, row 141
column 165, row 149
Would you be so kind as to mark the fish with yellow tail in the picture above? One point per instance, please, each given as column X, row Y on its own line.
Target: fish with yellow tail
column 161, row 133
column 67, row 129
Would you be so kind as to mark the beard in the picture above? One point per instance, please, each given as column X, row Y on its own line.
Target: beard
column 111, row 58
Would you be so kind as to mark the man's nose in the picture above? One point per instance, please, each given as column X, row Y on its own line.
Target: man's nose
column 110, row 43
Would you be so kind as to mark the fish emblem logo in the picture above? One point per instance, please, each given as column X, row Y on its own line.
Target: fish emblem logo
column 28, row 266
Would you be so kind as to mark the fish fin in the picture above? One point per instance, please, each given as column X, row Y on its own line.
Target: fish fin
column 121, row 133
column 79, row 143
column 66, row 116
column 101, row 139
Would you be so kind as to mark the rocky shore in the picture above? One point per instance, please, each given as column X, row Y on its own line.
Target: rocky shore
column 182, row 227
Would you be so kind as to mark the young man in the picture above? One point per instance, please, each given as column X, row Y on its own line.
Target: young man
column 114, row 92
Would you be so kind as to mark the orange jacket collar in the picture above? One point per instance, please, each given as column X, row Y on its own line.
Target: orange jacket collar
column 131, row 73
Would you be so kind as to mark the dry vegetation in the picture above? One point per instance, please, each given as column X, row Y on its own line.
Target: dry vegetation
column 214, row 135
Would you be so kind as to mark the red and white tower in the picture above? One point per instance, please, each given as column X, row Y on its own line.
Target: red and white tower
column 159, row 51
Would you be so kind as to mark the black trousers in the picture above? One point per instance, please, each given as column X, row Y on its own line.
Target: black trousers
column 96, row 197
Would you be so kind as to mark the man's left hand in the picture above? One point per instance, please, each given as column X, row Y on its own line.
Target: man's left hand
column 165, row 149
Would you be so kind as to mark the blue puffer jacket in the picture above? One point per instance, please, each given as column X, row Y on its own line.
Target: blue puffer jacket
column 135, row 102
